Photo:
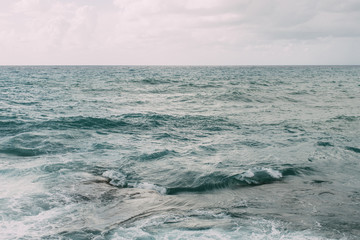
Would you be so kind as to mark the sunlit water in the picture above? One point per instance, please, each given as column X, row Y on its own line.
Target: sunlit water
column 126, row 152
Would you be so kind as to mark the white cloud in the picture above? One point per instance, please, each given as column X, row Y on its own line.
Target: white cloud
column 179, row 32
column 202, row 4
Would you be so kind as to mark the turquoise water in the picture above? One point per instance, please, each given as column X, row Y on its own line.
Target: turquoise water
column 156, row 152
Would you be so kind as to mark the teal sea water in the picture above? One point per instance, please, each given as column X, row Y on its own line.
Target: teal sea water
column 156, row 152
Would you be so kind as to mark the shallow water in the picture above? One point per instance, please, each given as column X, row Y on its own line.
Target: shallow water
column 124, row 152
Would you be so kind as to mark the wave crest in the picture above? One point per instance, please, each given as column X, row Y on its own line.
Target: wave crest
column 251, row 177
column 116, row 178
column 259, row 175
column 193, row 182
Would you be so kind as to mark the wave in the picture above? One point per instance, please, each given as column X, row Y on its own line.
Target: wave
column 354, row 149
column 251, row 177
column 324, row 144
column 27, row 145
column 155, row 81
column 11, row 127
column 119, row 179
column 124, row 123
column 345, row 118
column 217, row 180
column 236, row 96
column 83, row 123
column 150, row 186
column 155, row 155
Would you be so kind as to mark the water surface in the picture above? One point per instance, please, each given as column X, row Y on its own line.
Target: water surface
column 156, row 152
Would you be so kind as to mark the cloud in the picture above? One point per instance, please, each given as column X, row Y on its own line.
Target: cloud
column 54, row 23
column 178, row 32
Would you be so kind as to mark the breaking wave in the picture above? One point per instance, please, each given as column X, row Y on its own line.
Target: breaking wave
column 216, row 180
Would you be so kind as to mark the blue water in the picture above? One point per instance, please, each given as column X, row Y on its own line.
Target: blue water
column 156, row 152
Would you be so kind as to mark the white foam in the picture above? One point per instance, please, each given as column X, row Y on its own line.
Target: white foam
column 150, row 186
column 116, row 178
column 256, row 229
column 17, row 187
column 33, row 227
column 274, row 173
column 259, row 174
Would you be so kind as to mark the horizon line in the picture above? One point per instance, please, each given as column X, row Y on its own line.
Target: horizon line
column 171, row 65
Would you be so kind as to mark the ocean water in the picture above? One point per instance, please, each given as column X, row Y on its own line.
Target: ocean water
column 158, row 152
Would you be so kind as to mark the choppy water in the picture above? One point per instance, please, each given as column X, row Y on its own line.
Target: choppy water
column 180, row 152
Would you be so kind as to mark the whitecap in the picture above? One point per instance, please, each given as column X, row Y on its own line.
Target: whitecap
column 150, row 186
column 116, row 178
column 259, row 175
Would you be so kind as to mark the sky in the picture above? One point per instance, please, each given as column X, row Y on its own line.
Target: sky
column 179, row 32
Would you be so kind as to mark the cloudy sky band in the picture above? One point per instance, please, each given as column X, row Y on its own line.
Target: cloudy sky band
column 173, row 32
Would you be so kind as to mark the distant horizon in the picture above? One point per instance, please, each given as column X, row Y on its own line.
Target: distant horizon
column 178, row 65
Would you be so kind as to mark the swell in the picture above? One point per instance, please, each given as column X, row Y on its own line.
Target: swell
column 252, row 177
column 196, row 182
column 346, row 118
column 126, row 122
column 12, row 127
column 30, row 144
column 155, row 155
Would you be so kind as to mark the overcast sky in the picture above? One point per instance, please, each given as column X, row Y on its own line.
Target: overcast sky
column 179, row 32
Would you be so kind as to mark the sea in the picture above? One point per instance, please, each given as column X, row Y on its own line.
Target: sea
column 180, row 152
